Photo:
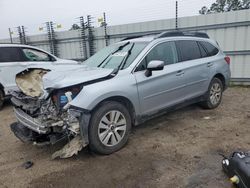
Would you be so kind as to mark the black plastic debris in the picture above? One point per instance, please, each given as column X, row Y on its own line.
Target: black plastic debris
column 27, row 164
column 237, row 168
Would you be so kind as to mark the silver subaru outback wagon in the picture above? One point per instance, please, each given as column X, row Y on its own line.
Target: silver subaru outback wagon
column 96, row 103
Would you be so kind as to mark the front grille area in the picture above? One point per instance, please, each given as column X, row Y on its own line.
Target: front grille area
column 30, row 122
column 28, row 104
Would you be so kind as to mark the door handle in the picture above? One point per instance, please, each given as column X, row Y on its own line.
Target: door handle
column 179, row 73
column 209, row 64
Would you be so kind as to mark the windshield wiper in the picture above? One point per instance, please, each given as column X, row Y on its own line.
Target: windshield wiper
column 123, row 62
column 118, row 49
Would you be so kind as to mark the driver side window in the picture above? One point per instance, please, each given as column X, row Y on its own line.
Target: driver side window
column 35, row 55
column 165, row 52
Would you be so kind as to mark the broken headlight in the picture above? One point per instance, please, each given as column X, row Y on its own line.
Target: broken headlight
column 63, row 96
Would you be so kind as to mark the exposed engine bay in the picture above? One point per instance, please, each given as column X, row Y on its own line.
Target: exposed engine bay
column 45, row 118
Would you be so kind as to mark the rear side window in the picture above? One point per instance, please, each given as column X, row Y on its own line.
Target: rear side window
column 211, row 50
column 188, row 50
column 11, row 54
column 202, row 50
column 35, row 55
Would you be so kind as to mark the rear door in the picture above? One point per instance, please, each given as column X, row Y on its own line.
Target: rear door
column 163, row 88
column 194, row 67
column 12, row 61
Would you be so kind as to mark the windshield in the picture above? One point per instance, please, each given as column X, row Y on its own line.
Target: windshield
column 105, row 59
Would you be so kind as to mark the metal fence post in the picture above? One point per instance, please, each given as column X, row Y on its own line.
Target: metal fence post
column 83, row 37
column 23, row 34
column 51, row 38
column 106, row 37
column 90, row 35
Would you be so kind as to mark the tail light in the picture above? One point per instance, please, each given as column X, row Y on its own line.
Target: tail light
column 227, row 59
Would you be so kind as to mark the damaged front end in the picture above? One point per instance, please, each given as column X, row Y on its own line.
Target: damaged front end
column 44, row 117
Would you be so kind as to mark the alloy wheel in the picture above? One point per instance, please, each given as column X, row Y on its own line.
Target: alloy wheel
column 112, row 128
column 215, row 93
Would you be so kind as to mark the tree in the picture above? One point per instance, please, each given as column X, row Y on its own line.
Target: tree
column 75, row 27
column 225, row 6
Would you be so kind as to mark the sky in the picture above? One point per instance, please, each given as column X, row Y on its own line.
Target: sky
column 34, row 13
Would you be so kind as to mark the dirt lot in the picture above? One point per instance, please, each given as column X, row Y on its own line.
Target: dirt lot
column 180, row 149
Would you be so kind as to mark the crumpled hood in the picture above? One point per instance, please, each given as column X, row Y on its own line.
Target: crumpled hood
column 64, row 77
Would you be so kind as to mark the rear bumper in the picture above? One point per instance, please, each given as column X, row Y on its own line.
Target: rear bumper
column 30, row 122
column 227, row 76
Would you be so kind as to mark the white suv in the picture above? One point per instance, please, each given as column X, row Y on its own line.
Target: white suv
column 15, row 58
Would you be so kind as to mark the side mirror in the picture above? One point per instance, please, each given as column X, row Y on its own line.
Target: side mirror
column 154, row 65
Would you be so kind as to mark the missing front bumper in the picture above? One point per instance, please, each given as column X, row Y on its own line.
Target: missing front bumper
column 22, row 132
column 29, row 129
column 30, row 122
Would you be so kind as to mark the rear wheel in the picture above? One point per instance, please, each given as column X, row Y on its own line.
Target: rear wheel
column 214, row 95
column 109, row 128
column 1, row 98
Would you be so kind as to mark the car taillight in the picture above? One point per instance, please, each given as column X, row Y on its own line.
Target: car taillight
column 227, row 59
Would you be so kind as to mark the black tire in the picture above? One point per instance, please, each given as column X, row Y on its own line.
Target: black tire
column 1, row 98
column 95, row 143
column 208, row 103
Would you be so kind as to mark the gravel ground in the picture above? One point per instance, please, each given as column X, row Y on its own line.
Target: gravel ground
column 179, row 149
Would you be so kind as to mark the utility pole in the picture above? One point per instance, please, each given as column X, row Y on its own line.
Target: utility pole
column 10, row 32
column 176, row 15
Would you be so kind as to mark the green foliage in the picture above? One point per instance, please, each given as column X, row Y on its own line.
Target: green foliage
column 75, row 27
column 225, row 6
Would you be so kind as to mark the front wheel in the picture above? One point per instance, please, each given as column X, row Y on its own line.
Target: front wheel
column 109, row 128
column 213, row 96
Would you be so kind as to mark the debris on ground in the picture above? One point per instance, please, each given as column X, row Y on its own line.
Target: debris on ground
column 207, row 117
column 27, row 164
column 70, row 149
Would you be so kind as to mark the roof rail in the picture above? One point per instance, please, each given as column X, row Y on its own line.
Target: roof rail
column 132, row 37
column 181, row 33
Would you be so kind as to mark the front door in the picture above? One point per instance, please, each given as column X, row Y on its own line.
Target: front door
column 163, row 88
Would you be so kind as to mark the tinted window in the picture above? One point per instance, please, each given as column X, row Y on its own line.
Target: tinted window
column 202, row 50
column 211, row 50
column 164, row 52
column 35, row 55
column 188, row 49
column 11, row 54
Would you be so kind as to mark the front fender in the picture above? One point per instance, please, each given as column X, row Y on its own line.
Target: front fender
column 91, row 95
